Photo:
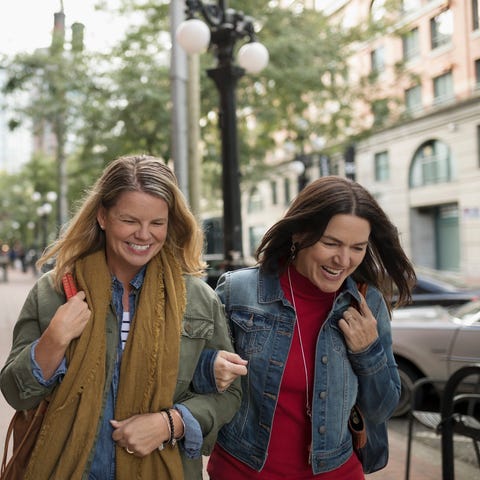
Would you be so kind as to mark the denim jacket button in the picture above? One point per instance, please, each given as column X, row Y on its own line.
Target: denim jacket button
column 324, row 359
column 322, row 429
column 323, row 395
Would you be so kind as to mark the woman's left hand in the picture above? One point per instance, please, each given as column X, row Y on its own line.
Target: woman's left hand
column 140, row 434
column 359, row 327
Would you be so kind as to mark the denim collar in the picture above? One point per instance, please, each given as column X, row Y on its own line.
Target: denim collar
column 137, row 280
column 269, row 289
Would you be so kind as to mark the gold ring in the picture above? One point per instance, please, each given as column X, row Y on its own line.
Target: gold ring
column 129, row 451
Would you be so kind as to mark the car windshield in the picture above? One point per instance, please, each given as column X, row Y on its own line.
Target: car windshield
column 470, row 312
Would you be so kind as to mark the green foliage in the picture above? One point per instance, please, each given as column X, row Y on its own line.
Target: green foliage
column 120, row 103
column 18, row 218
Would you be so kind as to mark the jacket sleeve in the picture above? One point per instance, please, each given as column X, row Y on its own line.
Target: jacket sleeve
column 204, row 376
column 205, row 328
column 17, row 381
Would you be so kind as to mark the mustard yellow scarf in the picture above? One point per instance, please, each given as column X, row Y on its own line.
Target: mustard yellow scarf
column 148, row 375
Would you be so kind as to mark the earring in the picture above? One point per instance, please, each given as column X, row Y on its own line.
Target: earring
column 293, row 251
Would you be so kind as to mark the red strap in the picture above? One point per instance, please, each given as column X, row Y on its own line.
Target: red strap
column 69, row 285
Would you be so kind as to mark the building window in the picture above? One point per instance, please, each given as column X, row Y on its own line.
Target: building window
column 410, row 5
column 431, row 164
column 441, row 29
column 273, row 189
column 255, row 201
column 443, row 88
column 475, row 15
column 378, row 10
column 286, row 188
column 377, row 58
column 477, row 73
column 213, row 228
column 411, row 45
column 380, row 111
column 382, row 167
column 255, row 235
column 478, row 145
column 413, row 99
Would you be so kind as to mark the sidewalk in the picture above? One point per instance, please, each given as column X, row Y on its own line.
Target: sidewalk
column 426, row 462
column 12, row 295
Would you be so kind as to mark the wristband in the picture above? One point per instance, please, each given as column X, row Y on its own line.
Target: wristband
column 172, row 440
column 181, row 420
column 162, row 445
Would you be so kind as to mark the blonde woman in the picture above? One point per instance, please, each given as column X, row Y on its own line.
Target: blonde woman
column 118, row 359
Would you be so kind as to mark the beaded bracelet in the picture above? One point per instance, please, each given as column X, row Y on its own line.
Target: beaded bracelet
column 172, row 440
column 181, row 420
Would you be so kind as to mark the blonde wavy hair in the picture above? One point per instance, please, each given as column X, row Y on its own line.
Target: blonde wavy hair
column 137, row 173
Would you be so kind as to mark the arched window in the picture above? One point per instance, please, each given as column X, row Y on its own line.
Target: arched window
column 431, row 164
column 378, row 10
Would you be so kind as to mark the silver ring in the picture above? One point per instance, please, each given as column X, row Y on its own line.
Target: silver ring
column 129, row 451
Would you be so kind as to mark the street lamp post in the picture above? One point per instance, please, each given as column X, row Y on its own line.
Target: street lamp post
column 223, row 28
column 304, row 160
column 43, row 211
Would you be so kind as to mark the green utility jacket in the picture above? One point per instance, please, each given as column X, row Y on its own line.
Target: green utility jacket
column 204, row 327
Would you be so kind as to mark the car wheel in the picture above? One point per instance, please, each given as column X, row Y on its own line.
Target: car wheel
column 408, row 376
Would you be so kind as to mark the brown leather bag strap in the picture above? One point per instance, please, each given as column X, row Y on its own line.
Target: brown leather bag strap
column 7, row 441
column 34, row 423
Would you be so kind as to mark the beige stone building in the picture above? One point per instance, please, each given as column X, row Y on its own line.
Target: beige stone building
column 425, row 168
column 422, row 161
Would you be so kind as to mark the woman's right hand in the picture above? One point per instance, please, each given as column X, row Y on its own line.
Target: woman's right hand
column 69, row 320
column 68, row 323
column 227, row 367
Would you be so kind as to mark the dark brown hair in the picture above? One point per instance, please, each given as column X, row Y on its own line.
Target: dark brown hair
column 385, row 265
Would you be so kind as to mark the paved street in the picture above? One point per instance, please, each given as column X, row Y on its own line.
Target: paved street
column 426, row 463
column 12, row 296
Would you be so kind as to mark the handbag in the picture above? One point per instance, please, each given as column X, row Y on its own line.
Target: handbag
column 25, row 425
column 369, row 440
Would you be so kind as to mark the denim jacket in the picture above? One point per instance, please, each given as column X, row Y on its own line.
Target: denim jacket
column 262, row 324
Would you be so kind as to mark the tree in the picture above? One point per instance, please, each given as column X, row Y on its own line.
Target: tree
column 119, row 103
column 18, row 218
column 53, row 80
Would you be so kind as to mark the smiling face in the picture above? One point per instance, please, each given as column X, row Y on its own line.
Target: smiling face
column 337, row 254
column 135, row 231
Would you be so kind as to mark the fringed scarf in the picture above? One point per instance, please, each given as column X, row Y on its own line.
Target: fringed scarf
column 148, row 375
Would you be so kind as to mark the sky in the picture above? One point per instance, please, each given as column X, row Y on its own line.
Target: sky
column 27, row 24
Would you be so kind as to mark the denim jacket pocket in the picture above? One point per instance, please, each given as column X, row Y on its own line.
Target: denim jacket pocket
column 251, row 331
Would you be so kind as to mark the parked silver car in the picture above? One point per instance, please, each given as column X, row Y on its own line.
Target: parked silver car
column 434, row 342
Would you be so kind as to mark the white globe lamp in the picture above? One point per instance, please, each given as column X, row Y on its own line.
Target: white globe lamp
column 193, row 35
column 253, row 57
